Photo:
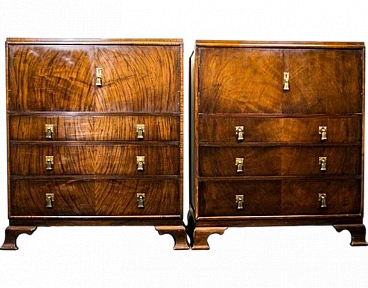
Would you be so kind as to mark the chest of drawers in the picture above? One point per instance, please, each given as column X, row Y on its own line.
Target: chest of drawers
column 276, row 136
column 95, row 134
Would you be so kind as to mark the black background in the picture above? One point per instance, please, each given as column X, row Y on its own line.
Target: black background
column 238, row 243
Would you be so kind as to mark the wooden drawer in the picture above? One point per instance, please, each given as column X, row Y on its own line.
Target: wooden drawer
column 94, row 159
column 279, row 197
column 285, row 130
column 267, row 161
column 94, row 197
column 101, row 128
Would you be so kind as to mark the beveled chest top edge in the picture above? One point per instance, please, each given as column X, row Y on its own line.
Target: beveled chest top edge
column 96, row 41
column 278, row 44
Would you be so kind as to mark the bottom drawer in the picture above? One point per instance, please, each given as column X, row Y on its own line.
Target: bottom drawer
column 279, row 197
column 95, row 197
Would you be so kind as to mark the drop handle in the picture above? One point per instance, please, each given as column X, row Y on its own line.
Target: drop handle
column 49, row 200
column 323, row 163
column 322, row 197
column 49, row 129
column 141, row 197
column 239, row 162
column 322, row 130
column 239, row 200
column 239, row 131
column 99, row 77
column 140, row 131
column 286, row 81
column 49, row 163
column 140, row 163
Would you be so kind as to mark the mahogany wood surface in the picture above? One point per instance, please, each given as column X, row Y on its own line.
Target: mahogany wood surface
column 178, row 233
column 12, row 233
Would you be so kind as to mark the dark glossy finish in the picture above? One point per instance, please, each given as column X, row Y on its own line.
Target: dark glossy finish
column 357, row 233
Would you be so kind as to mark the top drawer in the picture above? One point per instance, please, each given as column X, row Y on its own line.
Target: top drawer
column 251, row 80
column 134, row 78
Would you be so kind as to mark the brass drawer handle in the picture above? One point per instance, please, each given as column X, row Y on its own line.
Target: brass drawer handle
column 322, row 130
column 239, row 200
column 239, row 131
column 49, row 129
column 140, row 199
column 140, row 163
column 49, row 163
column 49, row 200
column 322, row 197
column 323, row 163
column 140, row 131
column 239, row 164
column 99, row 77
column 286, row 81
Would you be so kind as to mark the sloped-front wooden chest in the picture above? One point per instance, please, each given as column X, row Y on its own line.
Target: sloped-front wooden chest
column 276, row 136
column 95, row 134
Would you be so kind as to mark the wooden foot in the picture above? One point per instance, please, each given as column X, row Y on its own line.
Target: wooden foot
column 201, row 235
column 12, row 233
column 178, row 233
column 357, row 232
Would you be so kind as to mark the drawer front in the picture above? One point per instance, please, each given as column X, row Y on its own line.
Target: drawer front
column 303, row 197
column 219, row 198
column 94, row 159
column 99, row 128
column 286, row 130
column 284, row 197
column 63, row 78
column 268, row 161
column 246, row 80
column 94, row 197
